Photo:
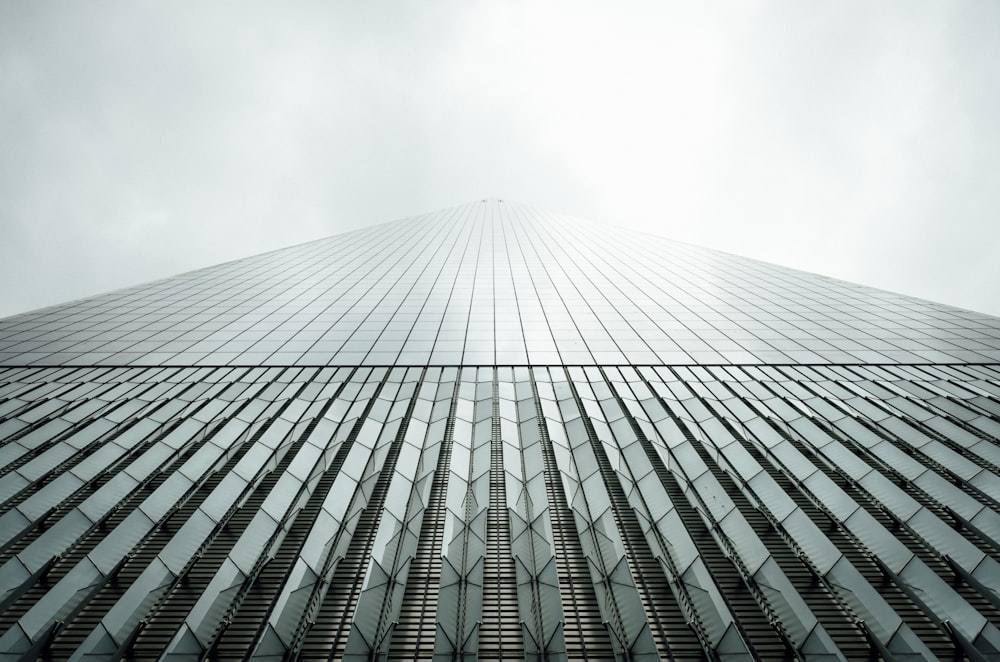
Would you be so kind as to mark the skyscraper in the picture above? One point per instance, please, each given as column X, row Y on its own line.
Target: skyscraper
column 495, row 433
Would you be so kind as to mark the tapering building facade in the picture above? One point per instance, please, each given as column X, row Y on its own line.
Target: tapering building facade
column 499, row 434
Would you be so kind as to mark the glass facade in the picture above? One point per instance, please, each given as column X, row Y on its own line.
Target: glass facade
column 493, row 283
column 494, row 433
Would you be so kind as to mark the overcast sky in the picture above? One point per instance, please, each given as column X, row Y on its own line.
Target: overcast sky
column 859, row 140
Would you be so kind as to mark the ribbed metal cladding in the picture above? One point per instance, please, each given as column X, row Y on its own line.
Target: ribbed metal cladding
column 493, row 433
column 580, row 512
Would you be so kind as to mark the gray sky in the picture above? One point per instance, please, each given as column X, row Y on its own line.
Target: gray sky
column 855, row 139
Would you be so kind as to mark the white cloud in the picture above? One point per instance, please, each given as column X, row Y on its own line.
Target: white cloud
column 144, row 139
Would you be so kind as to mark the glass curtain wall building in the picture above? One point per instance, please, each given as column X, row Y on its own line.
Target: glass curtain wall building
column 497, row 433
